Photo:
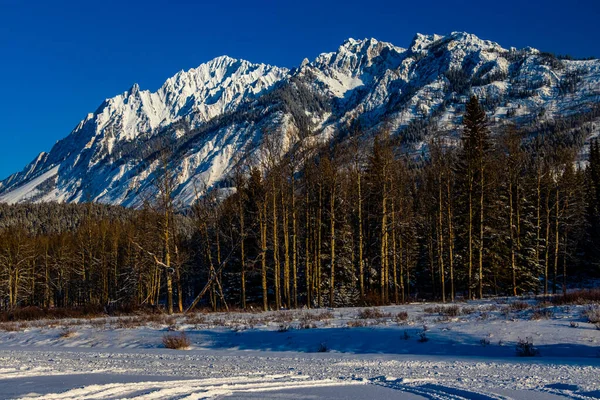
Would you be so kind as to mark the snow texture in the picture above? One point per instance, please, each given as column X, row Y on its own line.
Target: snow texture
column 342, row 354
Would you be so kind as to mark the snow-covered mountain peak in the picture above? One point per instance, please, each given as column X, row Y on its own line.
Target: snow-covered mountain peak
column 217, row 112
column 134, row 90
column 422, row 41
column 353, row 56
column 209, row 90
column 455, row 40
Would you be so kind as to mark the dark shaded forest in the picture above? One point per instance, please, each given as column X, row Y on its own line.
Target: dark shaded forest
column 503, row 213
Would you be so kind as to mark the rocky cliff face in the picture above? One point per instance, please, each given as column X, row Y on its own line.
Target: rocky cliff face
column 218, row 114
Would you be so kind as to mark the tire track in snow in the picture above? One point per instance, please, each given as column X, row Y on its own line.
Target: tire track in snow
column 434, row 391
column 193, row 389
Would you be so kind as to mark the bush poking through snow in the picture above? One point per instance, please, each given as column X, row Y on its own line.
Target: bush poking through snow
column 372, row 313
column 323, row 348
column 402, row 316
column 11, row 327
column 452, row 311
column 574, row 324
column 67, row 333
column 485, row 342
column 449, row 311
column 518, row 306
column 525, row 348
column 322, row 316
column 578, row 297
column 357, row 323
column 307, row 325
column 283, row 328
column 592, row 314
column 307, row 321
column 467, row 310
column 541, row 313
column 195, row 319
column 176, row 341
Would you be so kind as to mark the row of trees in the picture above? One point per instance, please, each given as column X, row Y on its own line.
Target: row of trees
column 334, row 225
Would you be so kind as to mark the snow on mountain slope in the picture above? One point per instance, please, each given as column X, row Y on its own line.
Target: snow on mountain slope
column 197, row 96
column 213, row 116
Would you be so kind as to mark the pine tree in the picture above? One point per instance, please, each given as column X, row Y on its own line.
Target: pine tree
column 473, row 168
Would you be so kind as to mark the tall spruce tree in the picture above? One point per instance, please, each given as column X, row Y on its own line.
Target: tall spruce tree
column 473, row 167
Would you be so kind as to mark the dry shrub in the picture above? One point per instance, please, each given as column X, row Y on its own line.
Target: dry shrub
column 37, row 313
column 67, row 333
column 467, row 310
column 402, row 316
column 541, row 313
column 592, row 314
column 491, row 307
column 450, row 311
column 195, row 319
column 585, row 296
column 97, row 323
column 525, row 348
column 127, row 322
column 306, row 321
column 518, row 306
column 176, row 341
column 219, row 322
column 283, row 317
column 357, row 323
column 372, row 313
column 307, row 325
column 11, row 327
column 323, row 315
column 158, row 319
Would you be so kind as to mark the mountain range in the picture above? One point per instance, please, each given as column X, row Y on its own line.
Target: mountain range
column 216, row 116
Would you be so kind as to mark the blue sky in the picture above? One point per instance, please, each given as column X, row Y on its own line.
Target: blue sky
column 60, row 59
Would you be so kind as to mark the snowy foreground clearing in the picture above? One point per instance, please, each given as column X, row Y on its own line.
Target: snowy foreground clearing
column 398, row 352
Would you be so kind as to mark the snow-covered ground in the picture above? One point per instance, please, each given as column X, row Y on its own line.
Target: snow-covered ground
column 413, row 351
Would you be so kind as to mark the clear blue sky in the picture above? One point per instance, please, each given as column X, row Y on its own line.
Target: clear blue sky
column 60, row 59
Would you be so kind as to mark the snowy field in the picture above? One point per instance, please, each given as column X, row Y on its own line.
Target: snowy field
column 416, row 351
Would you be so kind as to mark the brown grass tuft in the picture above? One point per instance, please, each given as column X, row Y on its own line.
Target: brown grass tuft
column 372, row 313
column 584, row 296
column 67, row 333
column 176, row 341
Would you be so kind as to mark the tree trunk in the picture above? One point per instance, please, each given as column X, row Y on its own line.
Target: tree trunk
column 450, row 240
column 361, row 273
column 276, row 248
column 441, row 239
column 512, row 237
column 332, row 245
column 263, row 254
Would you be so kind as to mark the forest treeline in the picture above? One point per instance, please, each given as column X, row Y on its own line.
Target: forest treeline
column 501, row 213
